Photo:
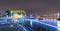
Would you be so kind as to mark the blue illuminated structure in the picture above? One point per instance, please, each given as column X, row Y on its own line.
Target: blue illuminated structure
column 20, row 20
column 8, row 13
column 47, row 25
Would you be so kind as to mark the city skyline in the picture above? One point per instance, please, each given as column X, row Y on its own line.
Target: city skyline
column 32, row 6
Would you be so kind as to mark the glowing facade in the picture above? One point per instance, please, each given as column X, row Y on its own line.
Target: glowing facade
column 17, row 13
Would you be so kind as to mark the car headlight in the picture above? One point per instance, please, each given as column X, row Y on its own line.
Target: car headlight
column 2, row 23
column 11, row 25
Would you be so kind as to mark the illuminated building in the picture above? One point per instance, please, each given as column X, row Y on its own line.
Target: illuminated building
column 16, row 14
column 48, row 17
column 12, row 12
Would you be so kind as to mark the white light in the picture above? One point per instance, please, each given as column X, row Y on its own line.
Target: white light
column 58, row 24
column 3, row 23
column 58, row 14
column 31, row 23
column 11, row 25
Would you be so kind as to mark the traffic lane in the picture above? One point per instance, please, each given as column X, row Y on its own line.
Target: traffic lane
column 7, row 27
column 38, row 26
column 51, row 22
column 43, row 27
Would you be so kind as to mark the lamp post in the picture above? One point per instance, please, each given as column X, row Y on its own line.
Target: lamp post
column 58, row 22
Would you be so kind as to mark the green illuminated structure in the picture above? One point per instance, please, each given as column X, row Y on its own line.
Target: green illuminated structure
column 19, row 12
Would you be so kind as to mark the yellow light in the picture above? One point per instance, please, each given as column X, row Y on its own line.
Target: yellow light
column 17, row 16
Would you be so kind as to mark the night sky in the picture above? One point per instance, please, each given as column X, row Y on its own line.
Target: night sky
column 32, row 6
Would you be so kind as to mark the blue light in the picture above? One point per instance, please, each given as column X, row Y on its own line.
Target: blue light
column 42, row 23
column 21, row 20
column 22, row 27
column 46, row 24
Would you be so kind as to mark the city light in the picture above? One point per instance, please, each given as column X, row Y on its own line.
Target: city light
column 17, row 16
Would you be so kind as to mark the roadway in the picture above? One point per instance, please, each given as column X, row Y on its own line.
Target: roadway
column 41, row 25
column 9, row 25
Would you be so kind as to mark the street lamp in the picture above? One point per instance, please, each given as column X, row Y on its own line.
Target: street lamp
column 58, row 22
column 58, row 16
